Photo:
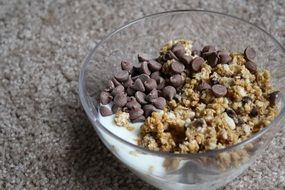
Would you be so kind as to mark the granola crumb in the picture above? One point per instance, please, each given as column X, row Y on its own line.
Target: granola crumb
column 122, row 119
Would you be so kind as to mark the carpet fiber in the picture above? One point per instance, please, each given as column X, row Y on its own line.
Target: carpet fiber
column 46, row 141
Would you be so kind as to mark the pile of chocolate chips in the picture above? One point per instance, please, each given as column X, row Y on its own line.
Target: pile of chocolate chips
column 141, row 89
column 210, row 55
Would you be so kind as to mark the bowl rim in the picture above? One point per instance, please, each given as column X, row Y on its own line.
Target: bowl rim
column 214, row 152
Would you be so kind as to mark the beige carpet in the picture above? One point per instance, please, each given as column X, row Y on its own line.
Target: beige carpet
column 46, row 141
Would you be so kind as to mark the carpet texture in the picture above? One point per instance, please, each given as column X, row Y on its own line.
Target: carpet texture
column 46, row 141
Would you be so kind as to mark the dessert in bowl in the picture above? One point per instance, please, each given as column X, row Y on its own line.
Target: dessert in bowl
column 179, row 117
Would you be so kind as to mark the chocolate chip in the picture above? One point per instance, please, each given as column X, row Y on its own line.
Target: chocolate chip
column 143, row 57
column 116, row 83
column 148, row 109
column 159, row 102
column 219, row 90
column 143, row 77
column 115, row 108
column 203, row 86
column 254, row 112
column 139, row 119
column 120, row 100
column 177, row 47
column 195, row 52
column 199, row 122
column 178, row 50
column 246, row 99
column 130, row 91
column 197, row 63
column 212, row 59
column 135, row 113
column 186, row 60
column 140, row 96
column 150, row 84
column 133, row 105
column 177, row 67
column 144, row 68
column 155, row 75
column 170, row 55
column 180, row 55
column 138, row 85
column 251, row 66
column 154, row 65
column 135, row 77
column 249, row 53
column 152, row 95
column 118, row 90
column 105, row 111
column 232, row 114
column 160, row 83
column 105, row 98
column 110, row 86
column 176, row 80
column 206, row 55
column 273, row 97
column 208, row 48
column 224, row 57
column 128, row 83
column 169, row 92
column 127, row 66
column 161, row 59
column 136, row 70
column 122, row 76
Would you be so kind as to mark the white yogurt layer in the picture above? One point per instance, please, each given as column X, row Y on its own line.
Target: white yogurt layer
column 129, row 155
column 122, row 132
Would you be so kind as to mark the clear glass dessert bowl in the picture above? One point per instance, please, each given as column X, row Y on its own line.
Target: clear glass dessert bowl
column 207, row 170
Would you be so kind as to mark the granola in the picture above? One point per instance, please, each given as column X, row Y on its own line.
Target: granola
column 220, row 104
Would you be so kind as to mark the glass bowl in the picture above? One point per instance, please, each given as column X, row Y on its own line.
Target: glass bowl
column 208, row 170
